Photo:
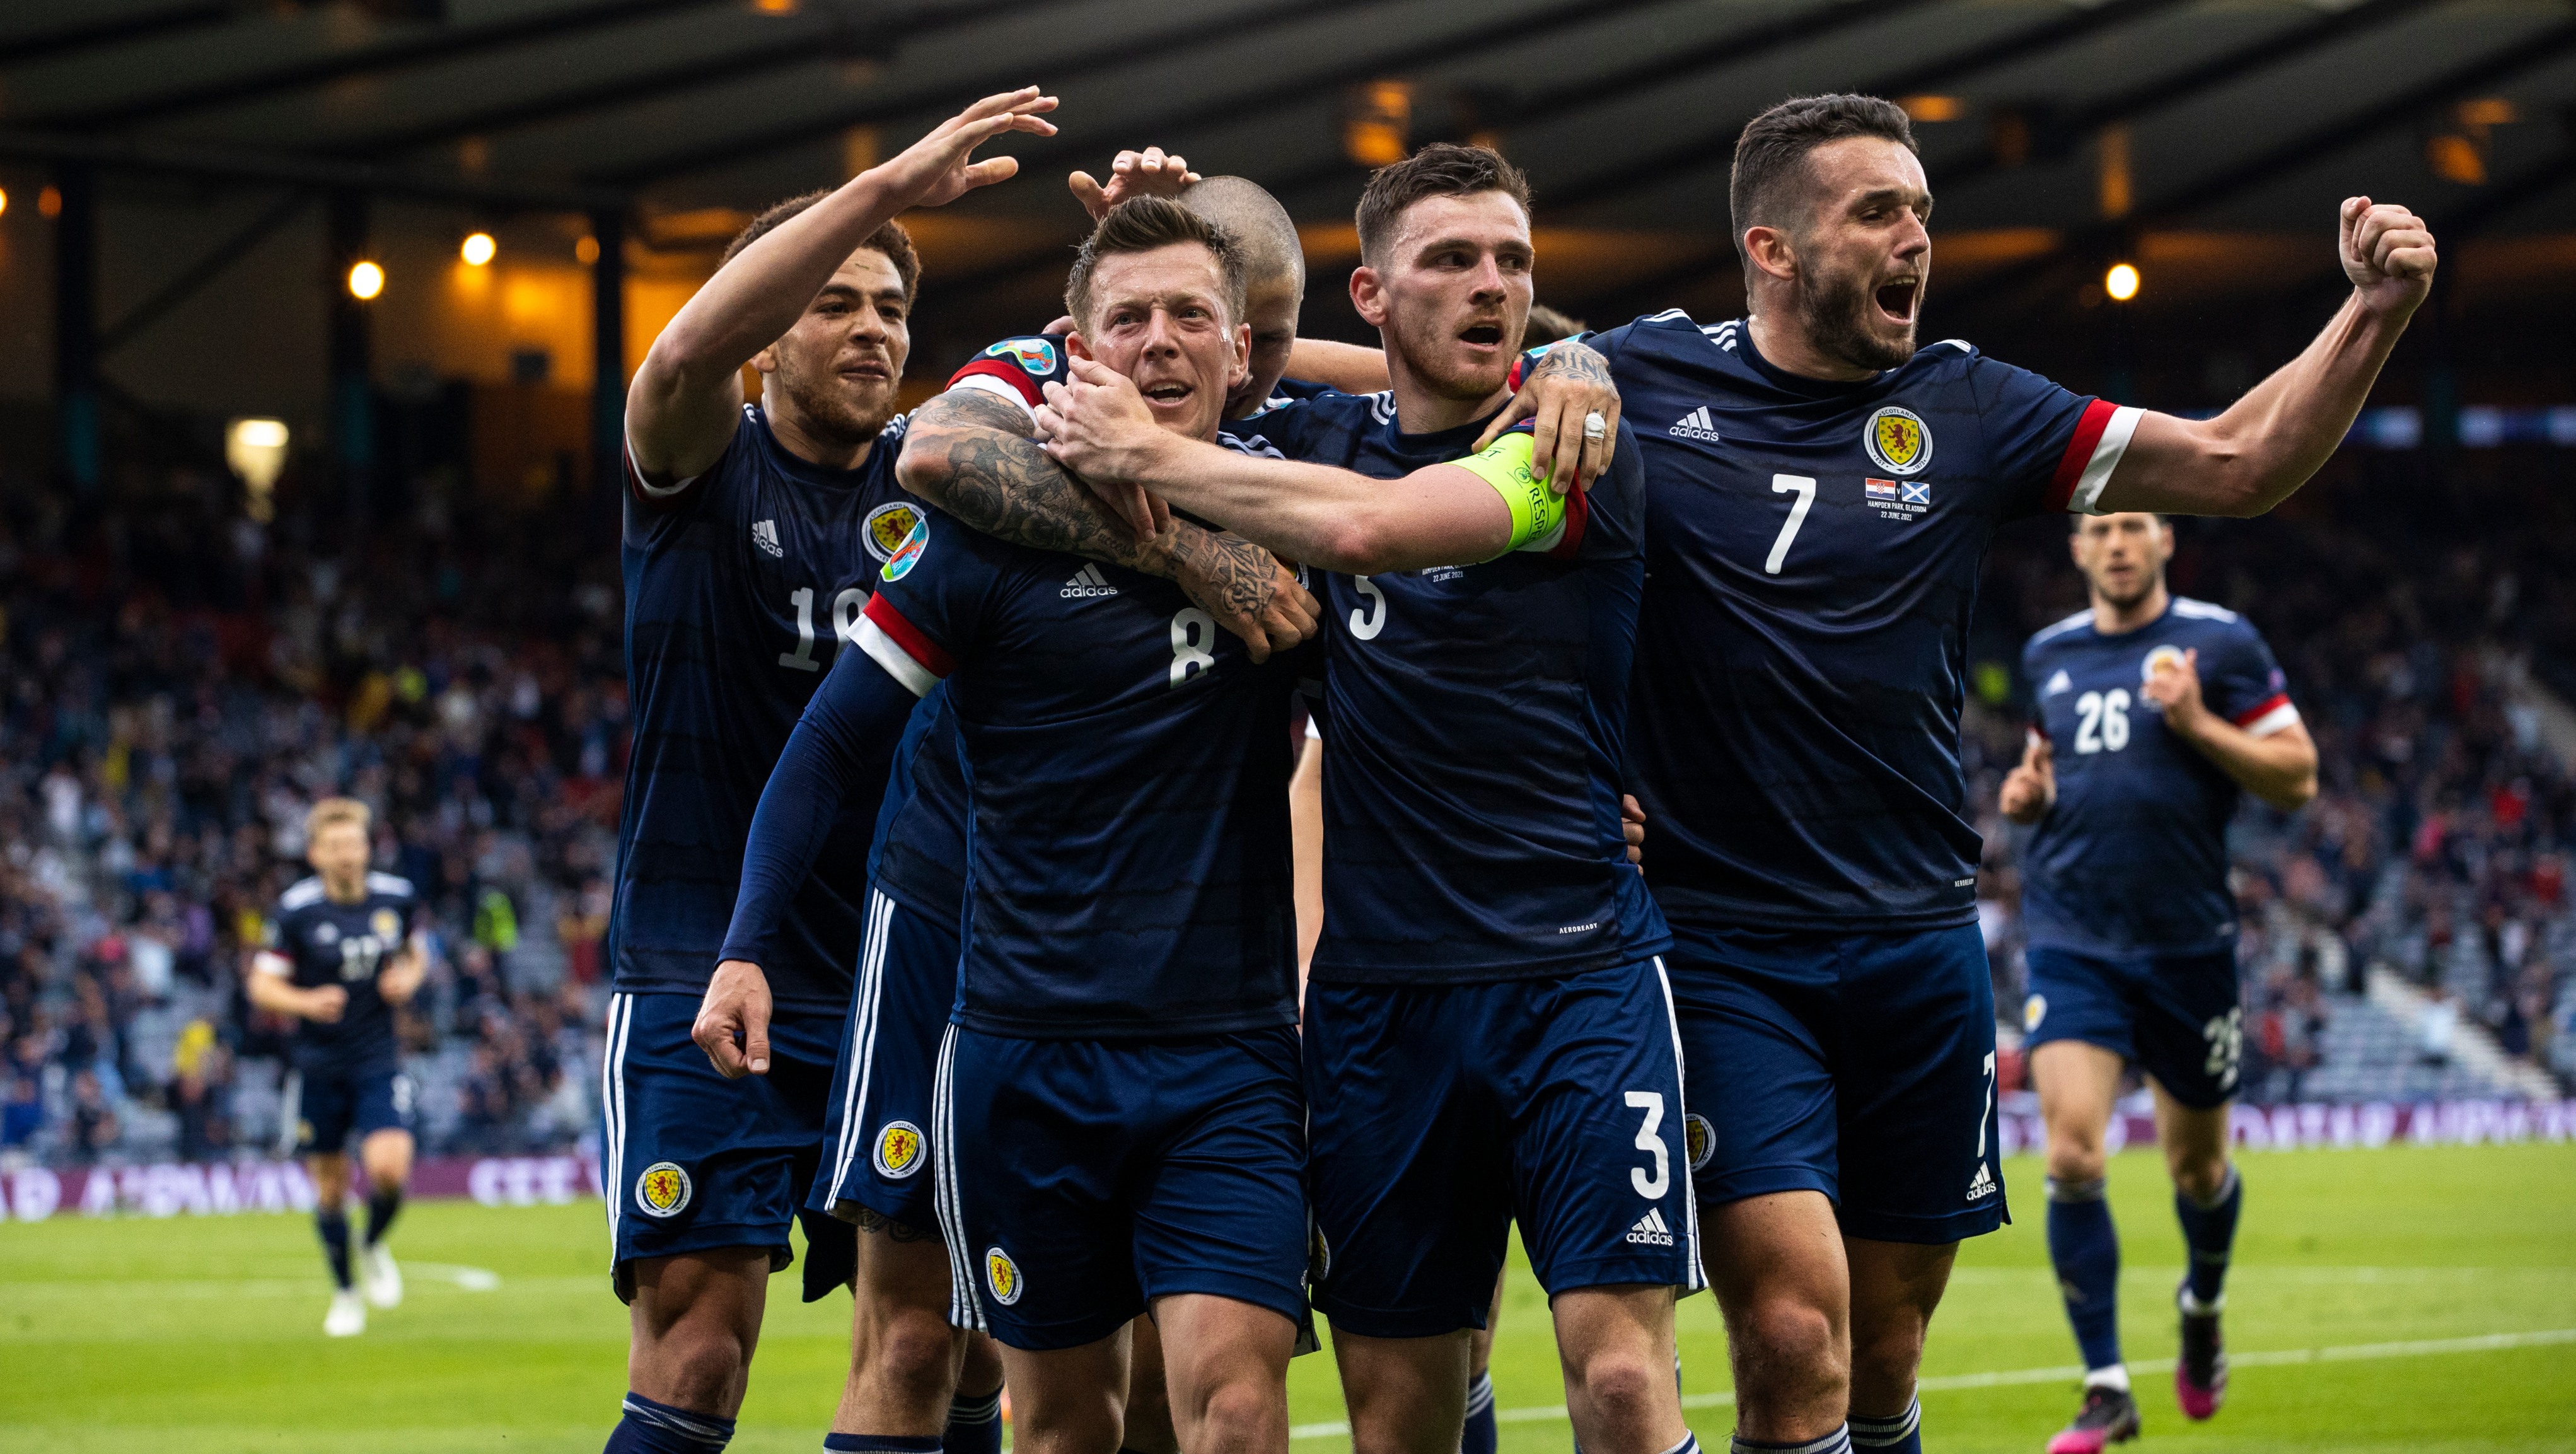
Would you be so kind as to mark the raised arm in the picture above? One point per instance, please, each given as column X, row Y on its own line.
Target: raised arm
column 2267, row 444
column 848, row 733
column 970, row 453
column 682, row 406
column 1439, row 515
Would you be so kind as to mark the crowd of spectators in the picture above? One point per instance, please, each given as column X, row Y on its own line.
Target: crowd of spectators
column 182, row 682
column 2413, row 625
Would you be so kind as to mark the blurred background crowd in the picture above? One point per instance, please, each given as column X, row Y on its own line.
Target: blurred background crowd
column 183, row 680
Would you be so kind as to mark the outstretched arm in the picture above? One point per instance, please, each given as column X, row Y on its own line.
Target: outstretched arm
column 681, row 407
column 2269, row 442
column 1099, row 427
column 969, row 452
column 847, row 735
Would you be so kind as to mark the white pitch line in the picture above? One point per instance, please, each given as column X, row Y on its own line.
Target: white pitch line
column 472, row 1279
column 1949, row 1383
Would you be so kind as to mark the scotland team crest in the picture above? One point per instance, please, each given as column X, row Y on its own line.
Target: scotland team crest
column 1898, row 441
column 2033, row 1010
column 898, row 1153
column 888, row 526
column 1699, row 1140
column 1002, row 1275
column 1037, row 355
column 2167, row 655
column 387, row 924
column 663, row 1190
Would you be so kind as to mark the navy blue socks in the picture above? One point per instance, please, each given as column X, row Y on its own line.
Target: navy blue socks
column 2086, row 1250
column 894, row 1443
column 334, row 1227
column 1479, row 1436
column 2209, row 1230
column 658, row 1428
column 381, row 1207
column 974, row 1424
column 1902, row 1434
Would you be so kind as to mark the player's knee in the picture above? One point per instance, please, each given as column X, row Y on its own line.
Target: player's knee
column 1625, row 1387
column 2073, row 1159
column 917, row 1358
column 1886, row 1358
column 2199, row 1175
column 700, row 1362
column 1240, row 1413
column 1787, row 1343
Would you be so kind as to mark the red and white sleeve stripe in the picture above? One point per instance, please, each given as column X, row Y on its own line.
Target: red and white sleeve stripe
column 903, row 649
column 2101, row 437
column 2273, row 714
column 645, row 491
column 1003, row 377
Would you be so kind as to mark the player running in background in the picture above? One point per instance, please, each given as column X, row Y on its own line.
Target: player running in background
column 1487, row 1032
column 1820, row 495
column 338, row 953
column 1122, row 1063
column 2166, row 711
column 748, row 548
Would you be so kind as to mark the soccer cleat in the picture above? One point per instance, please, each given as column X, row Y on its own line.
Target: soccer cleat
column 2109, row 1416
column 2200, row 1375
column 348, row 1316
column 382, row 1280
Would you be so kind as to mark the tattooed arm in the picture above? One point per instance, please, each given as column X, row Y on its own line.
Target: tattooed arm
column 1570, row 381
column 969, row 453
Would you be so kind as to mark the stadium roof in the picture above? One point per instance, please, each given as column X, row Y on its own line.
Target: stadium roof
column 2053, row 131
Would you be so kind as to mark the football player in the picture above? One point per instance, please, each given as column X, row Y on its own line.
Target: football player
column 338, row 952
column 2166, row 711
column 1117, row 1112
column 1487, row 1031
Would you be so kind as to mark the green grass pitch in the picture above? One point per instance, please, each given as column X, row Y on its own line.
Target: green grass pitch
column 203, row 1336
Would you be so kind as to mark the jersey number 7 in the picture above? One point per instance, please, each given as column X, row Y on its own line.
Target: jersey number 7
column 1806, row 491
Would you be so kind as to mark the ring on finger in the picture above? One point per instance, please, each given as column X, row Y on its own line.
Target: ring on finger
column 1594, row 426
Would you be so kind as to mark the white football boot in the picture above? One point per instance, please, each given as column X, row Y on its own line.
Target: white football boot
column 348, row 1316
column 378, row 1275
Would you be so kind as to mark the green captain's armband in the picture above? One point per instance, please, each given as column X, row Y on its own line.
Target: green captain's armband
column 1510, row 465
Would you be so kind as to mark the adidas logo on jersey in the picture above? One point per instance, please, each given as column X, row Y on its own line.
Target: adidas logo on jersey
column 764, row 533
column 1695, row 425
column 2061, row 682
column 1984, row 1186
column 1086, row 583
column 1652, row 1230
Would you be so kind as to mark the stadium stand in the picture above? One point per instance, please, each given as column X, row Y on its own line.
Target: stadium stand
column 182, row 683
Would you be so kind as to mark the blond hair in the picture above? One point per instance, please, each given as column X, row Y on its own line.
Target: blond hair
column 331, row 812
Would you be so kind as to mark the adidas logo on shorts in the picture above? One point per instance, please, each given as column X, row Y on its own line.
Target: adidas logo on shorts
column 1651, row 1230
column 1086, row 583
column 1984, row 1186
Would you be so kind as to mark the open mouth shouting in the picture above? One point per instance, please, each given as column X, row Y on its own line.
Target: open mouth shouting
column 1897, row 300
column 1482, row 335
column 1166, row 393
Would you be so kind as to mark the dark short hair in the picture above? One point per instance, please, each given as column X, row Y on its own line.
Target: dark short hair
column 889, row 238
column 1771, row 156
column 1547, row 325
column 1147, row 224
column 1442, row 169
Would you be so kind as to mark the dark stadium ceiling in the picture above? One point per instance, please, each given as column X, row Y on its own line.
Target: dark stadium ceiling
column 2234, row 116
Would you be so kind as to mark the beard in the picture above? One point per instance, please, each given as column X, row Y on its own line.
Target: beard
column 848, row 414
column 1424, row 342
column 2147, row 581
column 1835, row 311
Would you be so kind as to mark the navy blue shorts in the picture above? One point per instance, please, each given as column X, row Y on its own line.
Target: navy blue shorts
column 878, row 1120
column 1440, row 1111
column 2175, row 1016
column 1082, row 1179
column 333, row 1108
column 1861, row 1066
column 692, row 1161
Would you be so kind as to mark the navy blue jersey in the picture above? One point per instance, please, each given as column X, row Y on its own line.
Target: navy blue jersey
column 2133, row 854
column 1126, row 766
column 1812, row 559
column 1478, row 711
column 326, row 942
column 919, row 856
column 741, row 585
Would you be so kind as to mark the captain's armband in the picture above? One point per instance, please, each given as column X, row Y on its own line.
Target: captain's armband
column 1510, row 465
